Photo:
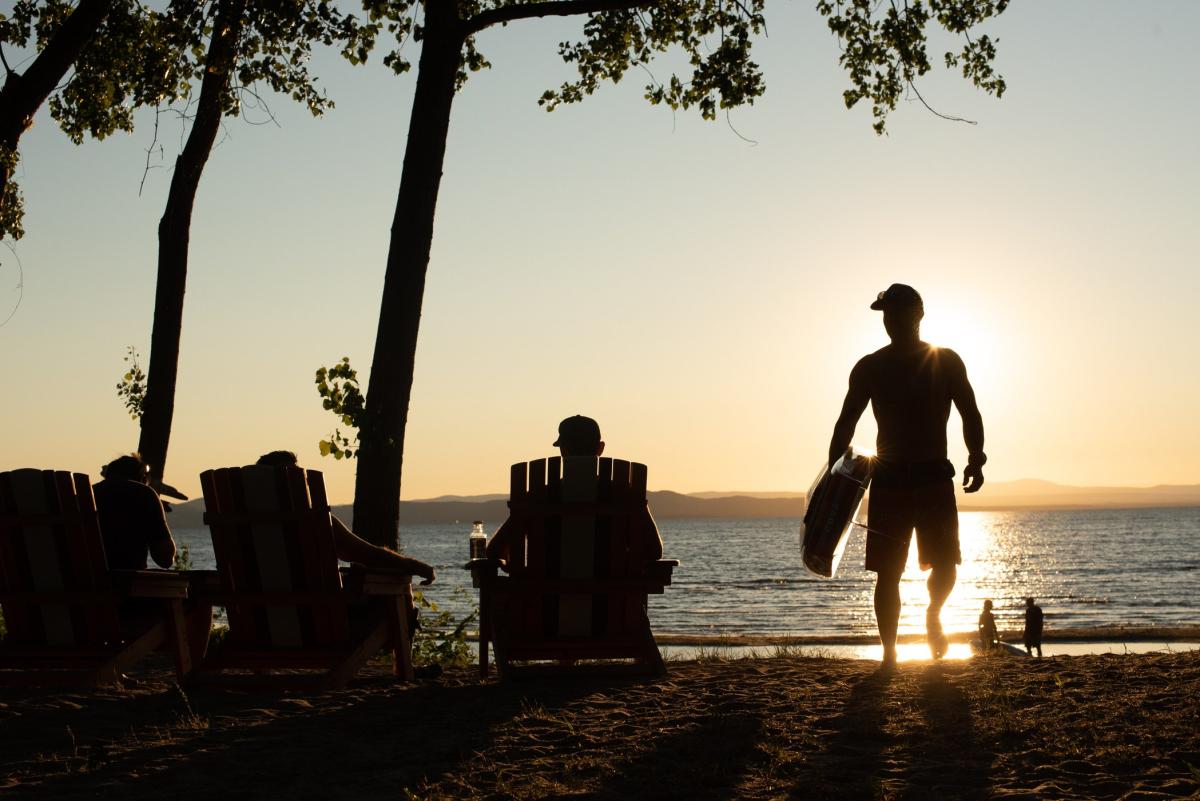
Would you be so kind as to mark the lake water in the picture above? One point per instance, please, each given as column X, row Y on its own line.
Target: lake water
column 1090, row 568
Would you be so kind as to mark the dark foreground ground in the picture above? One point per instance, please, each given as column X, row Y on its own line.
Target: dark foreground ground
column 1093, row 727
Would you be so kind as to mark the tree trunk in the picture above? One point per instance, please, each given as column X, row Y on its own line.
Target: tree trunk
column 380, row 459
column 174, row 233
column 23, row 94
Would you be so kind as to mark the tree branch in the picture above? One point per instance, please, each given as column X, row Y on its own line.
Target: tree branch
column 934, row 111
column 61, row 51
column 555, row 8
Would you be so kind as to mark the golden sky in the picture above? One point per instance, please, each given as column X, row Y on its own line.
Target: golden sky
column 703, row 296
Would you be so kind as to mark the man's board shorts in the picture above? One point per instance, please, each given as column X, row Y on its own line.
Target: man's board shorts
column 912, row 496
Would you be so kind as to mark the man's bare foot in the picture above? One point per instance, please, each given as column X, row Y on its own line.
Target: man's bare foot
column 938, row 642
column 889, row 660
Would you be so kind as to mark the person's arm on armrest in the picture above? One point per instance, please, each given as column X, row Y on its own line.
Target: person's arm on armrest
column 159, row 541
column 497, row 546
column 656, row 543
column 352, row 548
column 163, row 552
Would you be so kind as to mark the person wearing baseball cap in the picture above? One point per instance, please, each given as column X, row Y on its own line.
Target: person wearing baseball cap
column 910, row 385
column 579, row 436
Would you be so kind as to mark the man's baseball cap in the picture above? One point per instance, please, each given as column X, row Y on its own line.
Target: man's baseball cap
column 898, row 296
column 578, row 430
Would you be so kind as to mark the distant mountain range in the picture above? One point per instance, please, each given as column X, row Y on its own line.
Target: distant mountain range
column 1025, row 493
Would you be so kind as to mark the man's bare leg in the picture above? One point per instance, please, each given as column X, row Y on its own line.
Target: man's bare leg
column 887, row 613
column 941, row 582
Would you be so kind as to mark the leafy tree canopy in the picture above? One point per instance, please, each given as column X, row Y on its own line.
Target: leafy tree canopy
column 714, row 35
column 154, row 57
column 274, row 46
column 884, row 45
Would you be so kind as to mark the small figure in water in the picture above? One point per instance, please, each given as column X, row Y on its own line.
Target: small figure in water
column 987, row 628
column 1033, row 627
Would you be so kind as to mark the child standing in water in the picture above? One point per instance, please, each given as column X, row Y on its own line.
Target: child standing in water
column 987, row 628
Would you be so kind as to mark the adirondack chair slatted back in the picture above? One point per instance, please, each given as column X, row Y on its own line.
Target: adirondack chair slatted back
column 581, row 519
column 272, row 536
column 50, row 545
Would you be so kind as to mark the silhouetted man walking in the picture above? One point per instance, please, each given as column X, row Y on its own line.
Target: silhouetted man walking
column 910, row 385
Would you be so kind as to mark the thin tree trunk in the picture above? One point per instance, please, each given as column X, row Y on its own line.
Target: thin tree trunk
column 174, row 233
column 23, row 94
column 380, row 460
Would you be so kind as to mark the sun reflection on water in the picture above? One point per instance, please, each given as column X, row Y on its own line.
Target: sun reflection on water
column 984, row 570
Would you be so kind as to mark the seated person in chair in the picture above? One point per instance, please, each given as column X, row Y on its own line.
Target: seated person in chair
column 133, row 525
column 132, row 521
column 578, row 436
column 349, row 547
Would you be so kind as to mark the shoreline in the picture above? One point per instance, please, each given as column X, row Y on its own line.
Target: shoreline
column 1099, row 635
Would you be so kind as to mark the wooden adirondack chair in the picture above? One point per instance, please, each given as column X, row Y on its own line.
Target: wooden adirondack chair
column 290, row 607
column 577, row 568
column 62, row 605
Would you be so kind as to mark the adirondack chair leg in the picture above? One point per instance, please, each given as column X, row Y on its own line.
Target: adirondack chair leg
column 340, row 676
column 653, row 658
column 484, row 622
column 401, row 636
column 181, row 648
column 110, row 672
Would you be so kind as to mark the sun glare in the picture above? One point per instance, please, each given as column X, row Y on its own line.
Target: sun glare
column 973, row 336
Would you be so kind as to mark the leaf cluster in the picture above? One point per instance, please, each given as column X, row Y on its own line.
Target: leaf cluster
column 884, row 46
column 274, row 44
column 715, row 36
column 12, row 204
column 340, row 393
column 131, row 62
column 441, row 639
column 132, row 386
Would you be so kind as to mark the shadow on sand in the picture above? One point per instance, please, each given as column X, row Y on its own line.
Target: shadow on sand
column 215, row 744
column 882, row 747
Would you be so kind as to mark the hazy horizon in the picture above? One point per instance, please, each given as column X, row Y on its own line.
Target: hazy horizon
column 701, row 295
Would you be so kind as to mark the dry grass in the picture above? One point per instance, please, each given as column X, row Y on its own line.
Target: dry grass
column 790, row 726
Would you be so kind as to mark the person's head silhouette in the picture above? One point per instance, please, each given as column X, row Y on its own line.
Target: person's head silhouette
column 902, row 309
column 278, row 459
column 128, row 468
column 1029, row 602
column 987, row 605
column 579, row 436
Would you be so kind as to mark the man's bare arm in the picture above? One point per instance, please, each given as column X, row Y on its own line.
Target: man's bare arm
column 857, row 398
column 162, row 548
column 656, row 544
column 964, row 400
column 352, row 548
column 163, row 552
column 497, row 546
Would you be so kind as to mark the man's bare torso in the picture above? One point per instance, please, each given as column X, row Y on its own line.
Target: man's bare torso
column 911, row 387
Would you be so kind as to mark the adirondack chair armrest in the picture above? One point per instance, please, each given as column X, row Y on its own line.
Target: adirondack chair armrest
column 204, row 585
column 662, row 569
column 150, row 583
column 361, row 580
column 483, row 569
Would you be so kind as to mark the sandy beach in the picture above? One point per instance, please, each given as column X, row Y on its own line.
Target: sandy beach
column 1087, row 727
